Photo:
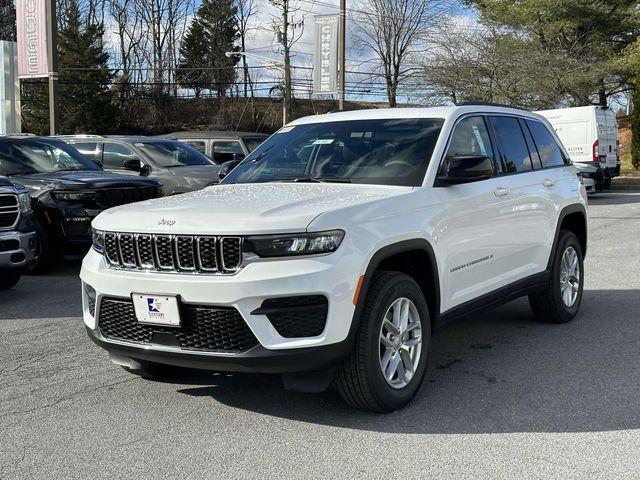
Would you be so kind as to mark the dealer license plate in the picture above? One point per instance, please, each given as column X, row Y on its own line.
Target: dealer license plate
column 156, row 309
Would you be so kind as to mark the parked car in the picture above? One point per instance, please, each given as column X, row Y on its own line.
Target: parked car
column 17, row 232
column 179, row 167
column 221, row 147
column 590, row 136
column 67, row 191
column 336, row 248
column 592, row 177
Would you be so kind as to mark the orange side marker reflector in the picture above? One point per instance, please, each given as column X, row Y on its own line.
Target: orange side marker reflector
column 46, row 215
column 357, row 292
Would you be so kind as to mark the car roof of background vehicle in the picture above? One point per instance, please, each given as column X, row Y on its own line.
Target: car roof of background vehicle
column 212, row 134
column 444, row 113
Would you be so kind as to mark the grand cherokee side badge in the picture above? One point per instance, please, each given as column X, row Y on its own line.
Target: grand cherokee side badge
column 168, row 223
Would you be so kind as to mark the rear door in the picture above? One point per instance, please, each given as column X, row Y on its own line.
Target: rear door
column 478, row 222
column 540, row 192
column 607, row 132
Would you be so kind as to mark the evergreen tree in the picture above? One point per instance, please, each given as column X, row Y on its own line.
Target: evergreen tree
column 203, row 64
column 85, row 100
column 7, row 20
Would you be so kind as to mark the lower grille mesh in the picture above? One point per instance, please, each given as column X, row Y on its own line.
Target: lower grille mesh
column 295, row 317
column 204, row 328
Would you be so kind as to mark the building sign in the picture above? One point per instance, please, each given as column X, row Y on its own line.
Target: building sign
column 325, row 70
column 31, row 16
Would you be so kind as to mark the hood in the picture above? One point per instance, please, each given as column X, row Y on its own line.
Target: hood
column 241, row 208
column 80, row 179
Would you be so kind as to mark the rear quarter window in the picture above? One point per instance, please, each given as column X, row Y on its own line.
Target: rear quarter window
column 550, row 153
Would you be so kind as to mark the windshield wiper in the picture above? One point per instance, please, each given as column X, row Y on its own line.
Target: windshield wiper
column 319, row 180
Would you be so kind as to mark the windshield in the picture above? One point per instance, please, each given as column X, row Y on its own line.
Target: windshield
column 385, row 152
column 173, row 154
column 40, row 156
column 253, row 142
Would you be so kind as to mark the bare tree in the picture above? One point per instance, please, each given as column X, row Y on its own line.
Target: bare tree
column 289, row 30
column 245, row 9
column 393, row 30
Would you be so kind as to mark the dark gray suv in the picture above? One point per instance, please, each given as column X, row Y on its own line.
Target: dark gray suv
column 180, row 167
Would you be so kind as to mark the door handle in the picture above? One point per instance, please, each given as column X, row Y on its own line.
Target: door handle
column 549, row 183
column 501, row 191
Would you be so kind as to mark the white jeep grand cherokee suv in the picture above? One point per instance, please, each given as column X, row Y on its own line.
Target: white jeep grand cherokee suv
column 333, row 251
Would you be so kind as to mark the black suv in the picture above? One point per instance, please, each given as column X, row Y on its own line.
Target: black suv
column 67, row 190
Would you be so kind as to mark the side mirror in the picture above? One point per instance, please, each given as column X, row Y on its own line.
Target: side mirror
column 97, row 162
column 465, row 169
column 226, row 167
column 134, row 165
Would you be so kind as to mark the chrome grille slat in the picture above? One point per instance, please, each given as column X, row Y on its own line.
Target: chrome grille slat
column 127, row 250
column 174, row 253
column 9, row 211
column 207, row 253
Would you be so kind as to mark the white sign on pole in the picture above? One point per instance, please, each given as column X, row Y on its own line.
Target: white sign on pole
column 325, row 71
column 31, row 19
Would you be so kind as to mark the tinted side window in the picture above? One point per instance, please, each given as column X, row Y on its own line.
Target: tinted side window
column 550, row 153
column 225, row 150
column 114, row 155
column 91, row 150
column 470, row 138
column 199, row 145
column 513, row 147
column 533, row 151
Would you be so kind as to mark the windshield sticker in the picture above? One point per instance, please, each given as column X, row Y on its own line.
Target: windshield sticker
column 286, row 129
column 323, row 141
column 478, row 136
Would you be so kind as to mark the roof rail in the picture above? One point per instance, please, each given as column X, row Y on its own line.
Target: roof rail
column 79, row 135
column 490, row 104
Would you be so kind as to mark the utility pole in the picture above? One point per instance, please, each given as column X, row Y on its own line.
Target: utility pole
column 342, row 51
column 286, row 101
column 52, row 57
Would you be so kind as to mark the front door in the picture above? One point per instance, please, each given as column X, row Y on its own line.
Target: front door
column 477, row 226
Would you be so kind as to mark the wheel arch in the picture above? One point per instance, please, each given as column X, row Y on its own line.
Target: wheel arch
column 574, row 219
column 401, row 256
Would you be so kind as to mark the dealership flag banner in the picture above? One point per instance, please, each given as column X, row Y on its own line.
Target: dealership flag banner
column 31, row 16
column 325, row 71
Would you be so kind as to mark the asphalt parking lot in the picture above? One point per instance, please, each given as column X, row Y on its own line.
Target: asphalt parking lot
column 504, row 397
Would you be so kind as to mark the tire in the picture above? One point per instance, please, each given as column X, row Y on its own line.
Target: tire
column 549, row 305
column 8, row 278
column 360, row 380
column 45, row 252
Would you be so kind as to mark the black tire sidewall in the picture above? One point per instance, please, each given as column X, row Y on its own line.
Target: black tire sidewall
column 401, row 286
column 567, row 239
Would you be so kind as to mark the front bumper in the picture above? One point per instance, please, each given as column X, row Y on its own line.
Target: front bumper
column 256, row 360
column 17, row 249
column 334, row 276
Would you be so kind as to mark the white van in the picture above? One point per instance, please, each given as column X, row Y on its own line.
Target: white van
column 589, row 134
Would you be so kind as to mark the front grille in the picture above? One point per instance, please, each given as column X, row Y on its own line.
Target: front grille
column 204, row 328
column 295, row 317
column 112, row 197
column 9, row 210
column 77, row 229
column 179, row 253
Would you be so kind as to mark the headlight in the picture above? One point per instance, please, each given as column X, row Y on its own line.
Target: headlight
column 294, row 244
column 71, row 196
column 98, row 241
column 25, row 202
